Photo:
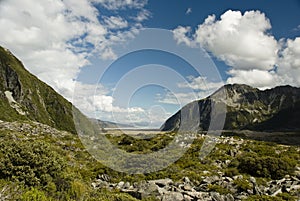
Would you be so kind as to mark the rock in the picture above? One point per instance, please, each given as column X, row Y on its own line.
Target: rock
column 187, row 198
column 220, row 173
column 232, row 152
column 131, row 188
column 279, row 182
column 166, row 189
column 227, row 162
column 263, row 189
column 229, row 197
column 197, row 195
column 288, row 183
column 202, row 188
column 256, row 191
column 297, row 173
column 149, row 189
column 295, row 187
column 163, row 191
column 133, row 193
column 104, row 177
column 295, row 182
column 228, row 179
column 295, row 179
column 186, row 180
column 273, row 189
column 250, row 191
column 162, row 182
column 216, row 196
column 126, row 185
column 253, row 180
column 99, row 184
column 241, row 197
column 210, row 180
column 173, row 196
column 94, row 185
column 237, row 177
column 276, row 192
column 187, row 187
column 120, row 184
column 206, row 172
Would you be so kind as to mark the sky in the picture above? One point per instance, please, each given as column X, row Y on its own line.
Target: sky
column 139, row 61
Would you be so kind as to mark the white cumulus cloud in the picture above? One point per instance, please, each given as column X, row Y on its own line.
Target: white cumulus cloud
column 55, row 39
column 241, row 40
column 96, row 102
column 256, row 78
column 289, row 62
column 244, row 42
column 39, row 33
column 180, row 35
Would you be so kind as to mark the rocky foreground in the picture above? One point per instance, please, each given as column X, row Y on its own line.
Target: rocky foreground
column 213, row 186
column 167, row 190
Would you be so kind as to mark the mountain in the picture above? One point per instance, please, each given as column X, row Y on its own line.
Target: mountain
column 24, row 97
column 109, row 124
column 276, row 109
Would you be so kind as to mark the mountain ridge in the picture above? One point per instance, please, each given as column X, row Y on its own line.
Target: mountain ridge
column 247, row 108
column 109, row 124
column 24, row 97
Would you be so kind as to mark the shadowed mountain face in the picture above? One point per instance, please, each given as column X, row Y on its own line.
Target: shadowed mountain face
column 274, row 109
column 24, row 97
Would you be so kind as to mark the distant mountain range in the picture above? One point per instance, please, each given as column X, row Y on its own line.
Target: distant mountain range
column 109, row 124
column 24, row 97
column 276, row 109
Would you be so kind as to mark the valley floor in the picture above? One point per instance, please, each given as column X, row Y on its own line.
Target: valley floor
column 38, row 162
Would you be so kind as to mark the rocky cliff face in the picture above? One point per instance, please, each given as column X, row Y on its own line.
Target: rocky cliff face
column 274, row 109
column 24, row 97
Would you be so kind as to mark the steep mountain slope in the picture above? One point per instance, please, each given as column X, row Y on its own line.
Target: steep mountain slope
column 275, row 109
column 24, row 97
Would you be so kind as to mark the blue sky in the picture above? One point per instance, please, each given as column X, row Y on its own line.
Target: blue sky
column 139, row 61
column 283, row 15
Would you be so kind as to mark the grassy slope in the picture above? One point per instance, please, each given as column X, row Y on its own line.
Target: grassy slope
column 39, row 100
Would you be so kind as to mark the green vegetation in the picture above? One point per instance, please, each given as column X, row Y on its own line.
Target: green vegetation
column 34, row 165
column 40, row 102
column 34, row 195
column 57, row 167
column 269, row 167
column 219, row 189
column 242, row 185
column 264, row 160
column 8, row 113
column 134, row 144
column 280, row 197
